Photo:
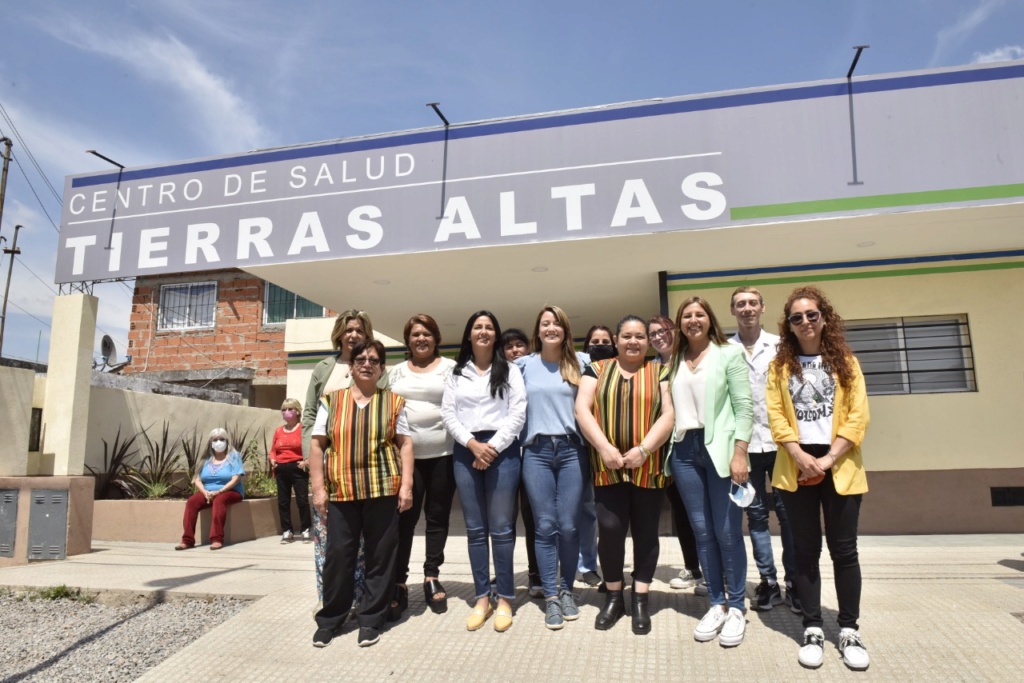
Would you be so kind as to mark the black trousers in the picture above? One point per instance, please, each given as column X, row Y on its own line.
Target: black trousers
column 433, row 489
column 806, row 507
column 684, row 532
column 376, row 519
column 530, row 525
column 289, row 476
column 623, row 508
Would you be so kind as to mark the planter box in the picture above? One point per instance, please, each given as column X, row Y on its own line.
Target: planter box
column 160, row 521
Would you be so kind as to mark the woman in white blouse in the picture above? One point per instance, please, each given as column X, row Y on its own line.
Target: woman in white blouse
column 421, row 381
column 484, row 408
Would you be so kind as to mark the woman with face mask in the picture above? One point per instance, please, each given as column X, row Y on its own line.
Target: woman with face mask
column 291, row 471
column 713, row 421
column 218, row 485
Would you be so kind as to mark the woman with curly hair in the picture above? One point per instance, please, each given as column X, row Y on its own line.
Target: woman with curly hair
column 818, row 411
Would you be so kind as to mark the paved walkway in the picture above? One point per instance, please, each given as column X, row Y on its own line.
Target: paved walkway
column 936, row 608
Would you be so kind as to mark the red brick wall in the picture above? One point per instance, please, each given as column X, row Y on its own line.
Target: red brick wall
column 238, row 339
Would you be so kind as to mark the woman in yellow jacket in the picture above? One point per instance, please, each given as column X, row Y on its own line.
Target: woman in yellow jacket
column 818, row 411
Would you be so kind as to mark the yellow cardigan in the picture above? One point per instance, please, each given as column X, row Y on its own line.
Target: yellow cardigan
column 850, row 420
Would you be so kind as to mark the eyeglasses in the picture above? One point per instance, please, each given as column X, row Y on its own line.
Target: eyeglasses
column 374, row 362
column 661, row 332
column 797, row 318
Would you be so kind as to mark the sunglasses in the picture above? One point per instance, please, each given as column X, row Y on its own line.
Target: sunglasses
column 366, row 361
column 797, row 318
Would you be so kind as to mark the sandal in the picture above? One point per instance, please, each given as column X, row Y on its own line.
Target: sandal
column 216, row 546
column 432, row 587
column 184, row 546
column 399, row 603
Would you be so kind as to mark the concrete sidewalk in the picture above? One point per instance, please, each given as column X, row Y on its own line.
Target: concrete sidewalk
column 937, row 608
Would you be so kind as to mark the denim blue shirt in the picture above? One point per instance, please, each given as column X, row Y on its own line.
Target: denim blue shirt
column 550, row 400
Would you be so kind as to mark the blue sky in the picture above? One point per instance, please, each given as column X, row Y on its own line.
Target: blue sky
column 155, row 81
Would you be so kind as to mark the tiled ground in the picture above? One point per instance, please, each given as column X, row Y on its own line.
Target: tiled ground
column 937, row 608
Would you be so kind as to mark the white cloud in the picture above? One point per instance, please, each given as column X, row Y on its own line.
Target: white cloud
column 220, row 117
column 951, row 36
column 1006, row 53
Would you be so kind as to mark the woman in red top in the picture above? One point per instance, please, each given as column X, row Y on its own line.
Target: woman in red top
column 291, row 470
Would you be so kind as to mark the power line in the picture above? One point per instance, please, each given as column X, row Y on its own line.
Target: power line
column 45, row 284
column 38, row 199
column 41, row 322
column 39, row 169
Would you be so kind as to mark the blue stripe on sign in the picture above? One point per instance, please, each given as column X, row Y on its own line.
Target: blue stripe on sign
column 467, row 131
column 848, row 264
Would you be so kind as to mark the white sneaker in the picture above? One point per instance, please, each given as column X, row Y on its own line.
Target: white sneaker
column 306, row 538
column 732, row 631
column 700, row 589
column 287, row 537
column 711, row 624
column 855, row 655
column 684, row 580
column 812, row 654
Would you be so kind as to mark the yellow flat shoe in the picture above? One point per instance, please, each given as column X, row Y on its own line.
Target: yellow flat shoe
column 502, row 619
column 478, row 617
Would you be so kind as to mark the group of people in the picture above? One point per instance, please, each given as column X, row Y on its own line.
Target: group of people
column 593, row 439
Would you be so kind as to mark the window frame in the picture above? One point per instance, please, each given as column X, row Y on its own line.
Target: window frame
column 906, row 356
column 163, row 326
column 295, row 304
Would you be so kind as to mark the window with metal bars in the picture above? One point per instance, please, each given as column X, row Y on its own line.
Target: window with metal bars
column 279, row 305
column 187, row 306
column 914, row 355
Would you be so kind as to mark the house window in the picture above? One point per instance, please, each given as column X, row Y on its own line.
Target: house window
column 279, row 305
column 188, row 306
column 914, row 355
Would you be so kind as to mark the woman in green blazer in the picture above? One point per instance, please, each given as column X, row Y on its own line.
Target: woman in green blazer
column 714, row 417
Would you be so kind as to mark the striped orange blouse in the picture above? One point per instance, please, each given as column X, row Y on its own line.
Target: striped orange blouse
column 626, row 409
column 362, row 459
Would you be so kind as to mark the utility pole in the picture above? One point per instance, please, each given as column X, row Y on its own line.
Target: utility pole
column 13, row 251
column 3, row 178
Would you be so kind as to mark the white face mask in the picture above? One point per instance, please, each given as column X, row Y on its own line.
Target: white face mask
column 219, row 445
column 742, row 494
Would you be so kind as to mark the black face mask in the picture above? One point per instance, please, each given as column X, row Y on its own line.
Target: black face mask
column 601, row 351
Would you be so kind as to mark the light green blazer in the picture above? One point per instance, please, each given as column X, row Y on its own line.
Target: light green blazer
column 728, row 406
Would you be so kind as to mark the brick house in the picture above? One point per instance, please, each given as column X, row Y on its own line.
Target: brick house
column 220, row 329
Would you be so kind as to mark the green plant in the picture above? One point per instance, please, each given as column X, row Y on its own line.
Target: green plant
column 154, row 477
column 116, row 459
column 61, row 592
column 193, row 448
column 259, row 478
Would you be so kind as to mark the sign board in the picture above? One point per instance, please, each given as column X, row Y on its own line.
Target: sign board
column 870, row 145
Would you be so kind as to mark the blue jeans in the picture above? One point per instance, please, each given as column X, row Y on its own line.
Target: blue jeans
column 717, row 522
column 588, row 522
column 761, row 467
column 488, row 500
column 553, row 476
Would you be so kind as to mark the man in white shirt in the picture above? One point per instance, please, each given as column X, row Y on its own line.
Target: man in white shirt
column 747, row 306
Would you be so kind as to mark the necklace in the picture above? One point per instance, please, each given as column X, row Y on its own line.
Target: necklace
column 693, row 363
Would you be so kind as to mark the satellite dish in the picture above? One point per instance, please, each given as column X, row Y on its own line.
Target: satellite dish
column 107, row 350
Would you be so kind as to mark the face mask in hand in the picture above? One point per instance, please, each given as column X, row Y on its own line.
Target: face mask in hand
column 742, row 494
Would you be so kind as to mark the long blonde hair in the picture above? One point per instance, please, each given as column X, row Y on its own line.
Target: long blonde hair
column 568, row 362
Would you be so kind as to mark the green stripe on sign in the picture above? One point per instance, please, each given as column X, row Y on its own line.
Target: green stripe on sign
column 859, row 275
column 878, row 201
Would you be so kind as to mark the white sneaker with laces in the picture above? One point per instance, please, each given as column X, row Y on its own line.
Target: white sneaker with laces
column 287, row 537
column 855, row 655
column 732, row 630
column 812, row 654
column 684, row 580
column 711, row 624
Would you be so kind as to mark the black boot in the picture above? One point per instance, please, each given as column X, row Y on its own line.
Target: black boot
column 614, row 608
column 641, row 614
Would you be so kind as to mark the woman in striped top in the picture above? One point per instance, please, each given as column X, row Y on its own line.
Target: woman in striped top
column 361, row 485
column 624, row 409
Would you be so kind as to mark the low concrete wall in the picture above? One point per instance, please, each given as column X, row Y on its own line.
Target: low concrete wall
column 160, row 521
